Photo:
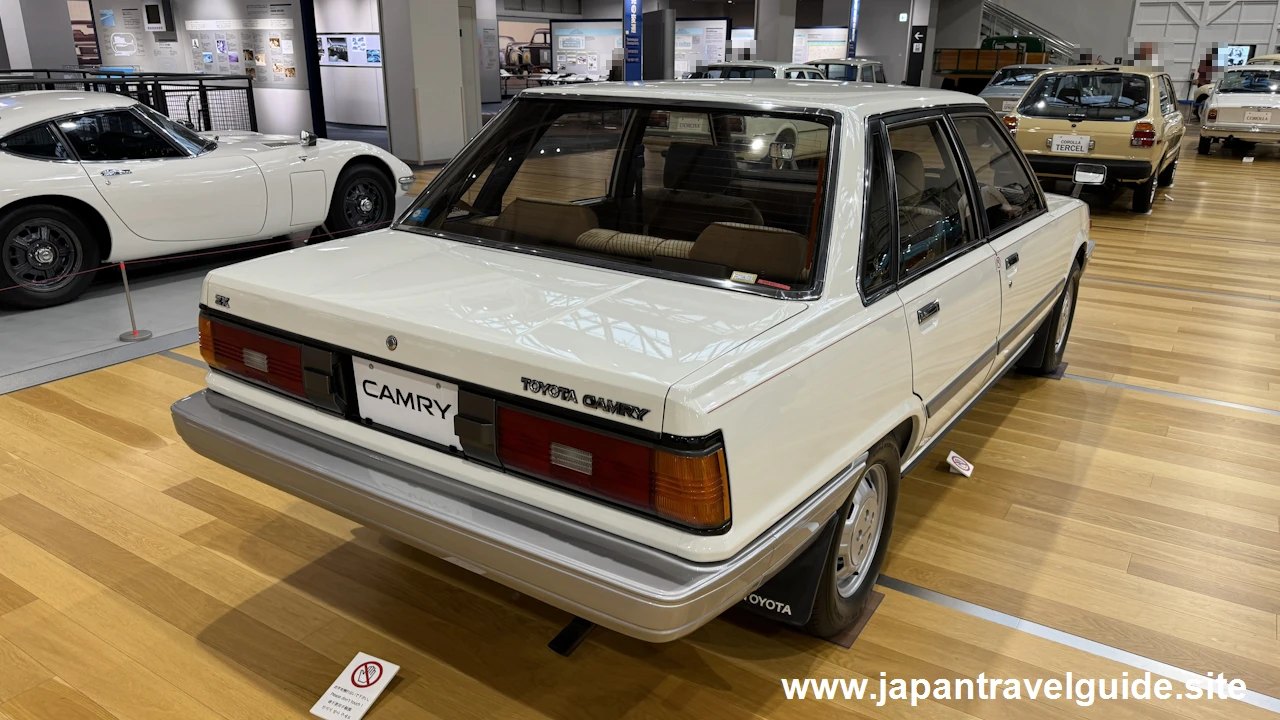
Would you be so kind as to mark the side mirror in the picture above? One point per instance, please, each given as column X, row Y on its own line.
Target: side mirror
column 187, row 124
column 1087, row 174
column 308, row 139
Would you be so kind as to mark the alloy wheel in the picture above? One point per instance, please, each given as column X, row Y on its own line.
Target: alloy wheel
column 42, row 254
column 1064, row 319
column 363, row 204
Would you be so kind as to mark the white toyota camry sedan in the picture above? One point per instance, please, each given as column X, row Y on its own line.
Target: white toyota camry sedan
column 90, row 178
column 644, row 379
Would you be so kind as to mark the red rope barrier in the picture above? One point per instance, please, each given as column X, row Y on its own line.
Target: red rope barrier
column 204, row 253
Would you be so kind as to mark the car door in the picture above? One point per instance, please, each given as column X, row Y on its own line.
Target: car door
column 160, row 190
column 1032, row 261
column 948, row 280
column 1174, row 127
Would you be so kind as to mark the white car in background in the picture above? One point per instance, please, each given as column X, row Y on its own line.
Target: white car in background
column 758, row 70
column 1203, row 92
column 1244, row 107
column 93, row 178
column 850, row 69
column 1009, row 84
column 643, row 404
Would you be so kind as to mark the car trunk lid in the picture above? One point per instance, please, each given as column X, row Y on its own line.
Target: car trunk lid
column 499, row 320
column 1247, row 108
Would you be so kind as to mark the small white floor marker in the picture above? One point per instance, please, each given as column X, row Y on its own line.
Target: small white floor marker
column 356, row 689
column 959, row 464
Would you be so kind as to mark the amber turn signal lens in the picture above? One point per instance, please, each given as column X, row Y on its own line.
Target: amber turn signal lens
column 691, row 490
column 206, row 341
column 1011, row 122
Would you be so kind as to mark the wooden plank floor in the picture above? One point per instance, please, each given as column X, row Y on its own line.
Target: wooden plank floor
column 138, row 580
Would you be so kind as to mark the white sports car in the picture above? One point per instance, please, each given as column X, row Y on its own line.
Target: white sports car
column 92, row 178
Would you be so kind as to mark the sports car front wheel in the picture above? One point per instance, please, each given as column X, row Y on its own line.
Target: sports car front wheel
column 363, row 200
column 47, row 257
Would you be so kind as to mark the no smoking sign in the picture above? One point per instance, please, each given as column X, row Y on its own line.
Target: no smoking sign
column 356, row 689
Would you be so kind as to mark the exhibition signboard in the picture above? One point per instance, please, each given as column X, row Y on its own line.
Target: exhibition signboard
column 632, row 20
column 700, row 42
column 819, row 43
column 586, row 47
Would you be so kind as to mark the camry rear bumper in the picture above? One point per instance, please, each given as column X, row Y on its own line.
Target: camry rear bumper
column 612, row 581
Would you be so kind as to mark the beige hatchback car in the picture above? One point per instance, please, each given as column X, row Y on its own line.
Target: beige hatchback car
column 1125, row 118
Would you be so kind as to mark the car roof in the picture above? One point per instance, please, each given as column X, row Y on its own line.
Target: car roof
column 21, row 109
column 1030, row 66
column 841, row 61
column 1269, row 65
column 1126, row 69
column 1264, row 60
column 853, row 97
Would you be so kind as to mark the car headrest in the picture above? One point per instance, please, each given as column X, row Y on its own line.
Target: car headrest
column 772, row 253
column 553, row 221
column 698, row 168
column 910, row 171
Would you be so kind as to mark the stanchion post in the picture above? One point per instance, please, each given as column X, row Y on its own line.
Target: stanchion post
column 133, row 334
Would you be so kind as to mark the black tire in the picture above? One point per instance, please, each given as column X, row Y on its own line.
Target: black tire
column 1205, row 145
column 841, row 597
column 1166, row 176
column 47, row 257
column 348, row 213
column 1044, row 354
column 1144, row 195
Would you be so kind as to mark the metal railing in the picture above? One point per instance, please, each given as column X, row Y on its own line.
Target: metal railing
column 207, row 102
column 998, row 21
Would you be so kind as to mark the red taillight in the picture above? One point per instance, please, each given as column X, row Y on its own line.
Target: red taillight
column 659, row 118
column 1213, row 114
column 690, row 490
column 252, row 355
column 735, row 124
column 1011, row 122
column 1144, row 135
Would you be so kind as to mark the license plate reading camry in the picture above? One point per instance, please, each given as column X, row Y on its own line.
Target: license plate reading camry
column 416, row 404
column 1076, row 144
column 1257, row 116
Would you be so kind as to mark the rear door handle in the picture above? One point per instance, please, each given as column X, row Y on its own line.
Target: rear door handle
column 1011, row 261
column 927, row 311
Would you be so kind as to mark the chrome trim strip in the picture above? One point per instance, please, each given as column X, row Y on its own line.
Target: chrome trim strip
column 1076, row 642
column 955, row 386
column 610, row 580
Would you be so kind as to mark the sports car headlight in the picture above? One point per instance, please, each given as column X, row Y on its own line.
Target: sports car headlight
column 407, row 182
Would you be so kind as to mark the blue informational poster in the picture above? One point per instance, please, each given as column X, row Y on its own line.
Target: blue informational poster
column 632, row 18
column 852, row 50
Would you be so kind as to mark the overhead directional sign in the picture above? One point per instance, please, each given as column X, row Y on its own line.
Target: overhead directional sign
column 915, row 57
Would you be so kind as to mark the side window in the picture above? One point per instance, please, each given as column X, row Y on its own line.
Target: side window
column 1173, row 95
column 118, row 135
column 933, row 215
column 836, row 71
column 877, row 236
column 880, row 73
column 39, row 143
column 1008, row 192
column 868, row 73
column 793, row 74
column 1166, row 100
column 815, row 75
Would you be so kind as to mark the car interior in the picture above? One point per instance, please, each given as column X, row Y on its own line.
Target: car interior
column 690, row 199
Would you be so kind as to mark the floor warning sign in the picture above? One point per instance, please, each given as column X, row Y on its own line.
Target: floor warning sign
column 356, row 689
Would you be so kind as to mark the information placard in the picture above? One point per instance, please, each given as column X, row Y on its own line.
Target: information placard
column 699, row 43
column 819, row 43
column 586, row 47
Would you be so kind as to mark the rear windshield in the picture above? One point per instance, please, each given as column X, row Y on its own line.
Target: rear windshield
column 729, row 196
column 736, row 71
column 1250, row 81
column 1088, row 96
column 1014, row 77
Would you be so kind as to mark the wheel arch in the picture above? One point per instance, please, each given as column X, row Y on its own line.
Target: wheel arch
column 87, row 213
column 375, row 162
